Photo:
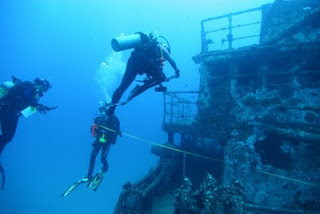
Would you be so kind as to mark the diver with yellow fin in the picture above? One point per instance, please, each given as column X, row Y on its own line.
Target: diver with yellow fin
column 148, row 57
column 105, row 129
column 18, row 98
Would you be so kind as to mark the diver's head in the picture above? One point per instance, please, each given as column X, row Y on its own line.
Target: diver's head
column 102, row 107
column 153, row 37
column 41, row 86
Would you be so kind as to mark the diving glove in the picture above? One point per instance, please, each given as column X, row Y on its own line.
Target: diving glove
column 43, row 109
column 177, row 73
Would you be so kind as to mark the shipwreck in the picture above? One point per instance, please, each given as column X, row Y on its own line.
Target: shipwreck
column 248, row 141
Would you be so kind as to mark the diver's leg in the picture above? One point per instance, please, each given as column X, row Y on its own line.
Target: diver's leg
column 95, row 150
column 157, row 77
column 9, row 121
column 155, row 71
column 104, row 154
column 97, row 179
column 129, row 75
column 139, row 89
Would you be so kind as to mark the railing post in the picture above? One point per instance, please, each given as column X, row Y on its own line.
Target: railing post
column 230, row 31
column 164, row 108
column 184, row 165
column 178, row 111
column 171, row 137
column 185, row 116
column 204, row 44
column 171, row 110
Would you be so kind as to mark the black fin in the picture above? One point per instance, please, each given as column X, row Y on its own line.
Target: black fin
column 74, row 186
column 116, row 104
column 96, row 181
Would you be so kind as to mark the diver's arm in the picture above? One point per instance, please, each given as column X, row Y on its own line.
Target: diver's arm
column 167, row 56
column 33, row 98
column 43, row 109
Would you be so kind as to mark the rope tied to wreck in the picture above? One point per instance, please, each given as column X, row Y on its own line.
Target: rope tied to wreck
column 163, row 146
column 205, row 157
column 287, row 178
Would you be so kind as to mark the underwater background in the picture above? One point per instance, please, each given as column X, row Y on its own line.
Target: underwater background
column 68, row 42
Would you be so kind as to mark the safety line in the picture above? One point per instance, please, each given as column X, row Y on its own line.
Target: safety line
column 206, row 157
column 163, row 146
column 290, row 179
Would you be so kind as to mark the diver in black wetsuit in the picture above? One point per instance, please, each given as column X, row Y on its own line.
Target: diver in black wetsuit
column 145, row 59
column 18, row 98
column 104, row 138
column 105, row 129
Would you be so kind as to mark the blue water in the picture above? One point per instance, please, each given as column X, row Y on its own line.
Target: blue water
column 66, row 41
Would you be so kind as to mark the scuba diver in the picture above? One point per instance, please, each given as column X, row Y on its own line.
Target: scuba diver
column 105, row 129
column 18, row 98
column 147, row 58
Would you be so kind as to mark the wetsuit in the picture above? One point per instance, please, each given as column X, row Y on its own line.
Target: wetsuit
column 21, row 96
column 144, row 60
column 103, row 139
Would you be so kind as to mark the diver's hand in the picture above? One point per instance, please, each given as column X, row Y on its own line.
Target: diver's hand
column 177, row 73
column 43, row 109
column 119, row 133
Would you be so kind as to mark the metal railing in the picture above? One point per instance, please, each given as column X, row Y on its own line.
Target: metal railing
column 179, row 109
column 205, row 41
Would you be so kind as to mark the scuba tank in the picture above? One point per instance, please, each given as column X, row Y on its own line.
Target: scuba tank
column 135, row 40
column 127, row 42
column 5, row 87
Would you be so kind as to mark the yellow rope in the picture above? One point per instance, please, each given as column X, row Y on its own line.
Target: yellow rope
column 290, row 179
column 206, row 157
column 163, row 146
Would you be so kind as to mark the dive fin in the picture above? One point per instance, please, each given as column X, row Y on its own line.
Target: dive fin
column 3, row 177
column 74, row 186
column 115, row 104
column 96, row 181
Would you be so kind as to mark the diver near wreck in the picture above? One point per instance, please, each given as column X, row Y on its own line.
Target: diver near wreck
column 105, row 130
column 18, row 98
column 147, row 58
